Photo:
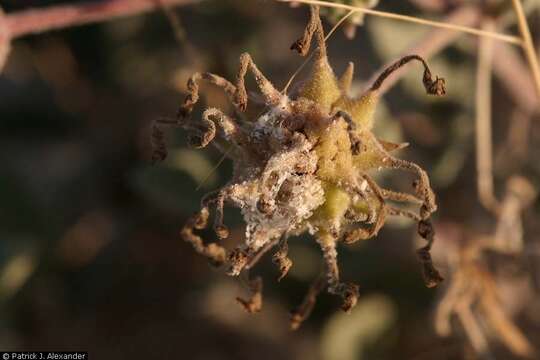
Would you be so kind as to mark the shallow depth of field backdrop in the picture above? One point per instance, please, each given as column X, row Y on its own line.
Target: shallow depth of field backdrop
column 90, row 253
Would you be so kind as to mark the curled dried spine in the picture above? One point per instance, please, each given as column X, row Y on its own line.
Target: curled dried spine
column 215, row 253
column 205, row 131
column 359, row 233
column 192, row 97
column 237, row 260
column 231, row 130
column 281, row 258
column 303, row 311
column 347, row 291
column 270, row 94
column 432, row 277
column 422, row 184
column 254, row 303
column 314, row 25
column 435, row 86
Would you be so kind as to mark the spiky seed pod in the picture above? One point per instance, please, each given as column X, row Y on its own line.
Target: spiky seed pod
column 304, row 165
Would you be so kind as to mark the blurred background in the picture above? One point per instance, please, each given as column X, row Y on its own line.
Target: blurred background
column 90, row 253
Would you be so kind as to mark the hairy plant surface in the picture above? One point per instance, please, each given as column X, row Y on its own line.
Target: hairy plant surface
column 304, row 165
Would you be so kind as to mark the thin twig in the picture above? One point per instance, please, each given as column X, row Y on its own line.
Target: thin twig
column 513, row 72
column 502, row 37
column 39, row 20
column 509, row 18
column 5, row 43
column 484, row 156
column 528, row 45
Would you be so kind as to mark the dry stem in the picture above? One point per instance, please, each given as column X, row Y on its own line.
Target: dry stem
column 484, row 157
column 528, row 45
column 502, row 37
column 34, row 21
column 513, row 73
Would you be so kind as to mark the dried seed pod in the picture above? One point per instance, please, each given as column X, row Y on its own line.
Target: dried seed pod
column 304, row 165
